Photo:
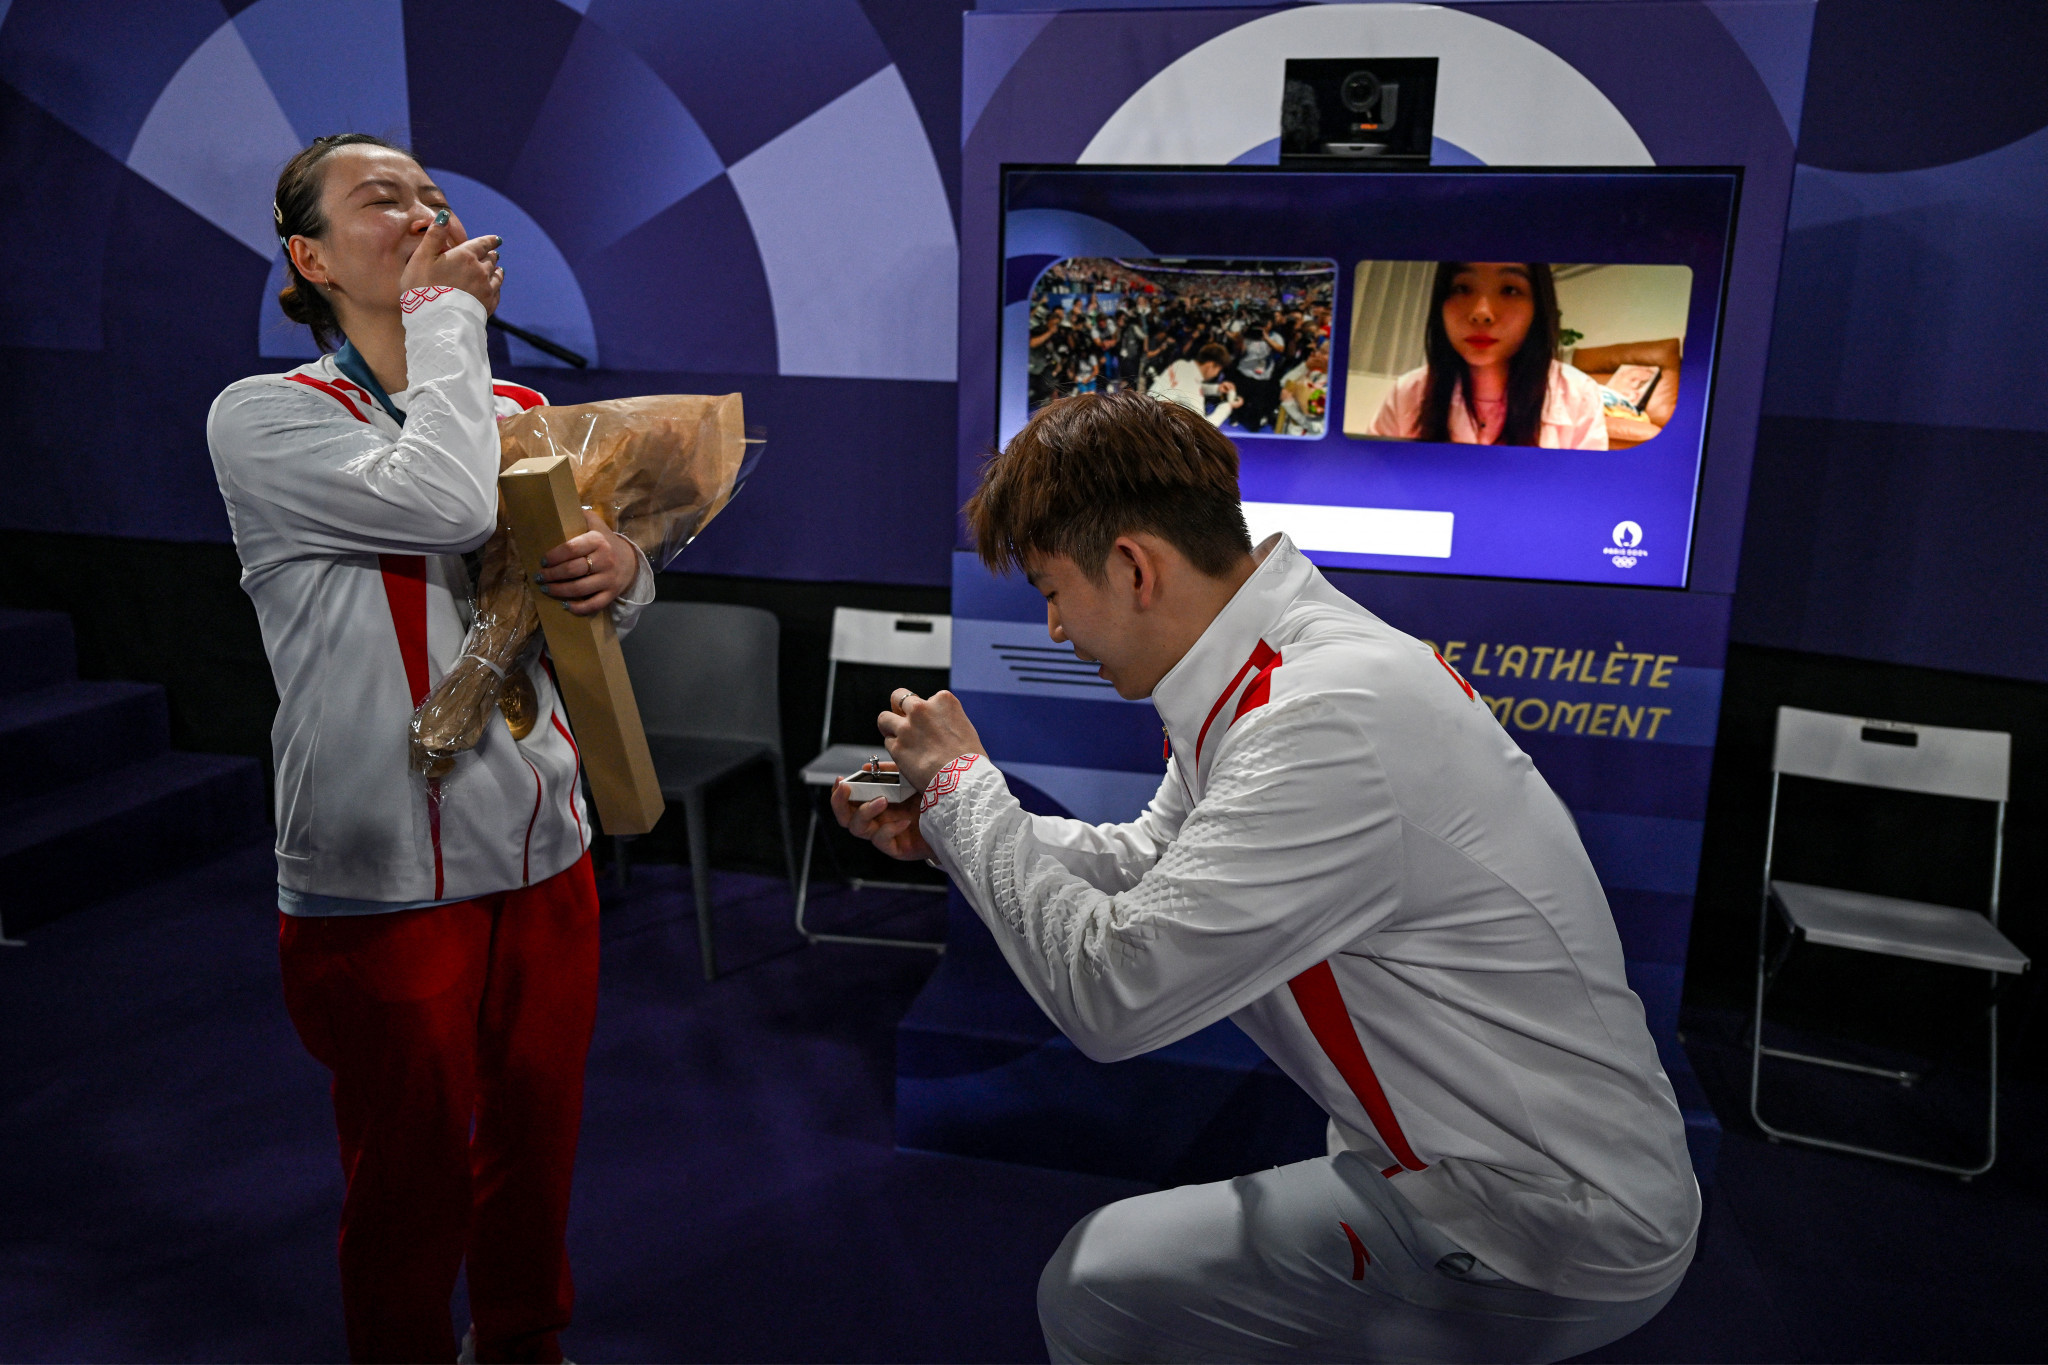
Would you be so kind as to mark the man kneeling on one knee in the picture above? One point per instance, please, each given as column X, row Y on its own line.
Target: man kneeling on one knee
column 1351, row 859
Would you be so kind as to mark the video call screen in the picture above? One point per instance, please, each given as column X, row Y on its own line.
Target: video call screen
column 1484, row 372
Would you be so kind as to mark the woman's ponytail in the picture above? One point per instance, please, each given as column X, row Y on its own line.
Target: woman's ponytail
column 295, row 212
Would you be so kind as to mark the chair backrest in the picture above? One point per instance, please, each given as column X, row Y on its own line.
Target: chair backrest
column 706, row 670
column 1934, row 759
column 890, row 639
column 908, row 639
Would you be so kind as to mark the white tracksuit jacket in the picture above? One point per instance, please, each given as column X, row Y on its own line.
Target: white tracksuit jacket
column 351, row 530
column 1351, row 859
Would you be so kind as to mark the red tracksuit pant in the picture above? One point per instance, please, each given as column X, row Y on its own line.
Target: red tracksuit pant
column 431, row 1021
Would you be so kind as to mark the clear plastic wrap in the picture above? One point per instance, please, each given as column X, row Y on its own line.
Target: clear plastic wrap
column 656, row 469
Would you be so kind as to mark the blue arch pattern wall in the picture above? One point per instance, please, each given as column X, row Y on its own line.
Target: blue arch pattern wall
column 701, row 197
column 1903, row 460
column 1901, row 457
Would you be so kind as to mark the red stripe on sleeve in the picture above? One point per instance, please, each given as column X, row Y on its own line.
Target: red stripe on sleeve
column 331, row 391
column 1456, row 677
column 1322, row 1005
column 518, row 393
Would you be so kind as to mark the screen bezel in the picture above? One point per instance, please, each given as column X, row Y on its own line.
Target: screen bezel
column 1734, row 172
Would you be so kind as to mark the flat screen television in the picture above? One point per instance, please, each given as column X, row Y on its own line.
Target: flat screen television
column 1401, row 397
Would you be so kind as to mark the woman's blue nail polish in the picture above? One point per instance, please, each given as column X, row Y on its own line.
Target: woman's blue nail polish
column 441, row 218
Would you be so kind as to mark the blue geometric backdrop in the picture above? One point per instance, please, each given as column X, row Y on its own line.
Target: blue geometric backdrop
column 712, row 195
column 1902, row 470
column 764, row 196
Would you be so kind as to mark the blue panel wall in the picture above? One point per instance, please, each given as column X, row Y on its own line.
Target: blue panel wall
column 1898, row 462
column 1903, row 459
column 1615, row 693
column 707, row 197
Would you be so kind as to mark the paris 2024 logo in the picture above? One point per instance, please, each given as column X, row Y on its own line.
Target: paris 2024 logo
column 1627, row 546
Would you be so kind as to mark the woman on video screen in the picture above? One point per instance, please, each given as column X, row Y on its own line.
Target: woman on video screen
column 1492, row 377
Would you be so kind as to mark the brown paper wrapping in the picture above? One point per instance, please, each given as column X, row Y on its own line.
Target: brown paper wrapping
column 657, row 469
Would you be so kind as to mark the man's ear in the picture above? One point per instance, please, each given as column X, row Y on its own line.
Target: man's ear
column 1122, row 566
column 1133, row 557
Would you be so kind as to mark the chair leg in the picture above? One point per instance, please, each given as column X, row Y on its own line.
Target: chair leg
column 621, row 867
column 782, row 815
column 819, row 803
column 1991, row 1125
column 803, row 880
column 1756, row 1021
column 803, row 886
column 1766, row 972
column 700, row 878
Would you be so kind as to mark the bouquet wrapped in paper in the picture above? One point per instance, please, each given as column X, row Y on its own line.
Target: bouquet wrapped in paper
column 657, row 469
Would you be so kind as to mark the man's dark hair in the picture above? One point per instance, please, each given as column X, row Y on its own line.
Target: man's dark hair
column 1091, row 467
column 1212, row 354
column 295, row 212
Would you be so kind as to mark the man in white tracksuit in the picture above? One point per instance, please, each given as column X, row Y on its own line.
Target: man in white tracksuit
column 1191, row 383
column 1350, row 858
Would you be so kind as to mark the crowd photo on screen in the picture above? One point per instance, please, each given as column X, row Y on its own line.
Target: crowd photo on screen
column 1245, row 343
column 1520, row 353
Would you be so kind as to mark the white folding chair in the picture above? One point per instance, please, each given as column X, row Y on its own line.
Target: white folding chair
column 1972, row 765
column 887, row 639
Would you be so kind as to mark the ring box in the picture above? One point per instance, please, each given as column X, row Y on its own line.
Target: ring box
column 871, row 782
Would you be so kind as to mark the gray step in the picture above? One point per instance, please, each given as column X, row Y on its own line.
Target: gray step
column 37, row 649
column 55, row 736
column 79, row 843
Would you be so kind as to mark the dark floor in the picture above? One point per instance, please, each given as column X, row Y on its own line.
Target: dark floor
column 168, row 1184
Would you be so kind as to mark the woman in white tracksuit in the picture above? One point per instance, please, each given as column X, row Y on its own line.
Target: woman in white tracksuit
column 438, row 937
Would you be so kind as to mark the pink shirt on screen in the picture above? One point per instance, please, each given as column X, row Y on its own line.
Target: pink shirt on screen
column 1572, row 415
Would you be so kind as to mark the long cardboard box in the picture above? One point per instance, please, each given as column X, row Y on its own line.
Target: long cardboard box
column 544, row 511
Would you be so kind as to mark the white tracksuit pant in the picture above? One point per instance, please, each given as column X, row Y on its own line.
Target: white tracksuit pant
column 1317, row 1261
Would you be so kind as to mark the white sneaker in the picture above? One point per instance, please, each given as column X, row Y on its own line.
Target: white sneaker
column 467, row 1355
